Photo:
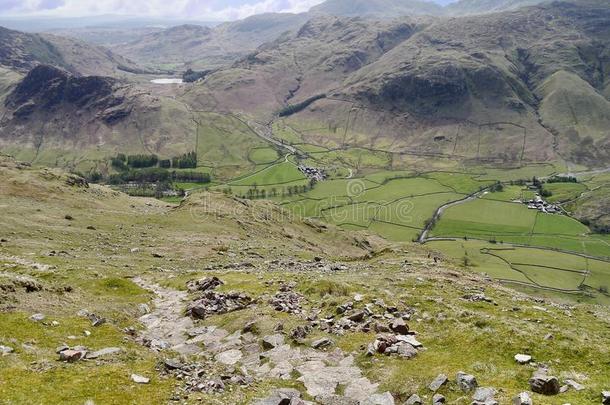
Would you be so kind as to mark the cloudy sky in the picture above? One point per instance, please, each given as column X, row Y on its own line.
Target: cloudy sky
column 195, row 9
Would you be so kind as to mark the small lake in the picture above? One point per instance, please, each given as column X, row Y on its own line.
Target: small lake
column 167, row 81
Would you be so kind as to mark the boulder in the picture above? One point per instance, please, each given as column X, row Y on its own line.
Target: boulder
column 438, row 399
column 37, row 317
column 172, row 364
column 523, row 358
column 230, row 357
column 484, row 396
column 466, row 382
column 357, row 316
column 138, row 379
column 399, row 326
column 523, row 399
column 300, row 332
column 410, row 340
column 72, row 356
column 205, row 284
column 321, row 343
column 438, row 382
column 271, row 341
column 544, row 384
column 406, row 350
column 414, row 400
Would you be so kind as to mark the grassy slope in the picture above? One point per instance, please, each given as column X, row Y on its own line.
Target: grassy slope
column 473, row 337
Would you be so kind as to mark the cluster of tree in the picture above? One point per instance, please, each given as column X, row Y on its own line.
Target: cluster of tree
column 539, row 184
column 186, row 161
column 295, row 108
column 562, row 179
column 122, row 162
column 497, row 187
column 191, row 75
column 140, row 161
column 255, row 192
column 157, row 175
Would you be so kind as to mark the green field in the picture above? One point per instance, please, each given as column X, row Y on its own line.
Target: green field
column 495, row 233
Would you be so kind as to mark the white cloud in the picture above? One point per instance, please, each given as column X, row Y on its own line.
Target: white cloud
column 190, row 9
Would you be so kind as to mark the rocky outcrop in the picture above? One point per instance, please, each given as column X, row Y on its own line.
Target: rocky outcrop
column 46, row 89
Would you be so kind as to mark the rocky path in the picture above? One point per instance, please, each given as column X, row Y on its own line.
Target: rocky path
column 166, row 324
column 321, row 372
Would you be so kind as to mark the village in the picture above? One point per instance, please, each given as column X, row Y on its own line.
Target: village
column 539, row 204
column 313, row 173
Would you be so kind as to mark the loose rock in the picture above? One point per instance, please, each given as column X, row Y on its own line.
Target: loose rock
column 321, row 343
column 205, row 284
column 399, row 326
column 543, row 384
column 38, row 317
column 271, row 341
column 438, row 399
column 522, row 399
column 484, row 396
column 284, row 396
column 466, row 382
column 72, row 356
column 438, row 382
column 523, row 358
column 575, row 385
column 4, row 350
column 138, row 379
column 414, row 400
column 217, row 303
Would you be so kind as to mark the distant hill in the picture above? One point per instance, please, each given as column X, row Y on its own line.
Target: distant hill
column 23, row 51
column 395, row 8
column 202, row 47
column 378, row 8
column 463, row 7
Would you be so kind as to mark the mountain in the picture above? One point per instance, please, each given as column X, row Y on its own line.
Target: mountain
column 377, row 8
column 22, row 51
column 517, row 74
column 388, row 9
column 465, row 7
column 202, row 47
column 56, row 116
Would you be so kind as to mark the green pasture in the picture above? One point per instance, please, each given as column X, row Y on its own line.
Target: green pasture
column 562, row 192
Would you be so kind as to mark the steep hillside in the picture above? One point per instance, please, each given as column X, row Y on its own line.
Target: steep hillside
column 483, row 84
column 22, row 51
column 54, row 117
